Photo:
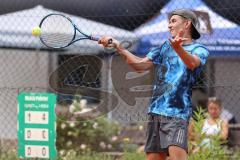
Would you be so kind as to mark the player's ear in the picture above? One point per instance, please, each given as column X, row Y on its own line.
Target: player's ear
column 188, row 24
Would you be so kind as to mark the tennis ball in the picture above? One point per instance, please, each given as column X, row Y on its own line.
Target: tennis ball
column 36, row 31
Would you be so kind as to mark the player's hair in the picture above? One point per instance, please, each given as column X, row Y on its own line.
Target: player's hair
column 191, row 30
column 214, row 100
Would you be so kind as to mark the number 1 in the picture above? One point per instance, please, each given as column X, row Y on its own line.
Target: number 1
column 29, row 117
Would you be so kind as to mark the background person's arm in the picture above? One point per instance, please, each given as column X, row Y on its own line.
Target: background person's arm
column 224, row 130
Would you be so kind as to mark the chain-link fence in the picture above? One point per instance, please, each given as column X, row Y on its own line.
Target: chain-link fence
column 101, row 76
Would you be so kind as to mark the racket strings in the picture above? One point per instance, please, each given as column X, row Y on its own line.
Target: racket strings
column 57, row 31
column 55, row 39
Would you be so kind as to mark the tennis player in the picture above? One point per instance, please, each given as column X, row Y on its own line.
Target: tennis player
column 177, row 62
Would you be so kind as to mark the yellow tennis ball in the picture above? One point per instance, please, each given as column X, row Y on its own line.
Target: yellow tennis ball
column 36, row 31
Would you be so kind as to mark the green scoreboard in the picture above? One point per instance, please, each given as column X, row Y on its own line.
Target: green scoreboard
column 37, row 125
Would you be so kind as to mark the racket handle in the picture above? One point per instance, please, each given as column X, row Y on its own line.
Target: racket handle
column 96, row 38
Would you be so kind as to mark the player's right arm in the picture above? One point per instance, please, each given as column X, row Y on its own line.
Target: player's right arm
column 137, row 63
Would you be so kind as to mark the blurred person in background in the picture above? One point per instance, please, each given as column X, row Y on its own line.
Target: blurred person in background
column 213, row 125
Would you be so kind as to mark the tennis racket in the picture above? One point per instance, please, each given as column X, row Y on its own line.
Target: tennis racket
column 58, row 31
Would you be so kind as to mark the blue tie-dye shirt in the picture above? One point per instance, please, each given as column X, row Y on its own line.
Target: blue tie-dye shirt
column 172, row 88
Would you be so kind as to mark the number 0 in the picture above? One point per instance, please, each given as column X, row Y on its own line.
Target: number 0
column 28, row 151
column 44, row 151
column 28, row 134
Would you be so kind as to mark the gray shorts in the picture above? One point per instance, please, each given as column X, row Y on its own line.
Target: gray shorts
column 163, row 132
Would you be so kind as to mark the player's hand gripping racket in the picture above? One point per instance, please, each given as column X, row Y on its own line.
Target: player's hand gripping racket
column 59, row 31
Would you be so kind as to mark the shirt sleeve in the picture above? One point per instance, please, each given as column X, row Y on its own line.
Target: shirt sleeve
column 153, row 55
column 156, row 53
column 202, row 53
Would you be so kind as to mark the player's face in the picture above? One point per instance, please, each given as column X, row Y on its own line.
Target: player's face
column 214, row 110
column 175, row 24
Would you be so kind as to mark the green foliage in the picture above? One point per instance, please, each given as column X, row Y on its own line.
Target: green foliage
column 81, row 135
column 200, row 149
column 133, row 156
column 73, row 155
column 100, row 156
column 9, row 155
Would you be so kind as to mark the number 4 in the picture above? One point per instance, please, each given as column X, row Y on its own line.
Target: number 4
column 44, row 116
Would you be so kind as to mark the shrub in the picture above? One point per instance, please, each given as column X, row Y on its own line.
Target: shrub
column 83, row 135
column 214, row 150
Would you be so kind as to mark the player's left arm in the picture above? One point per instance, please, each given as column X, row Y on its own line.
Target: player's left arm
column 192, row 61
column 224, row 130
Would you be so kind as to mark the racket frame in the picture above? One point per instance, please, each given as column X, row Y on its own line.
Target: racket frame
column 85, row 36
